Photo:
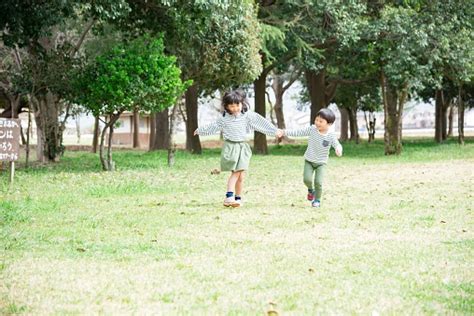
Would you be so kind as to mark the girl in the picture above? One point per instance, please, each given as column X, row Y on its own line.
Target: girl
column 235, row 123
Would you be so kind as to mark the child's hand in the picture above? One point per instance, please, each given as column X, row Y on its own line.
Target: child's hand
column 339, row 152
column 196, row 132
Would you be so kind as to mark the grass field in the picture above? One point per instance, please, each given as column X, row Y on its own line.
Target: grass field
column 394, row 235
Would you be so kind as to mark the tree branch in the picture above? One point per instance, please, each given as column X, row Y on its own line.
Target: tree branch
column 83, row 36
column 292, row 79
column 16, row 54
column 330, row 91
column 286, row 58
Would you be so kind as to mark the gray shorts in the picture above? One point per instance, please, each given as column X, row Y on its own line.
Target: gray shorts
column 235, row 156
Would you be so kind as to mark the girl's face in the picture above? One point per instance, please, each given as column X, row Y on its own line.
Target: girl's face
column 321, row 124
column 234, row 108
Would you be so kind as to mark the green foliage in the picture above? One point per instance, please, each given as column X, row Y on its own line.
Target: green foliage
column 218, row 48
column 47, row 71
column 23, row 22
column 216, row 42
column 363, row 96
column 132, row 74
column 418, row 43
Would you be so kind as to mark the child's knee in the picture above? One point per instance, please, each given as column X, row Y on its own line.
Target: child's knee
column 318, row 185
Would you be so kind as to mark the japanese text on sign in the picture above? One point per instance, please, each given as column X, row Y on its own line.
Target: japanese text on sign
column 9, row 139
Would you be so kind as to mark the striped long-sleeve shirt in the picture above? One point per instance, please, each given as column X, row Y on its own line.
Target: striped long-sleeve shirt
column 236, row 127
column 318, row 144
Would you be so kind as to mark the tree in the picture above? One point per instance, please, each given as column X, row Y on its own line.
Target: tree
column 49, row 35
column 277, row 51
column 134, row 75
column 230, row 57
column 451, row 58
column 354, row 97
column 281, row 82
column 400, row 42
column 216, row 44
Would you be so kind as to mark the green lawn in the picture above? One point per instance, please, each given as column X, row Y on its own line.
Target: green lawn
column 395, row 235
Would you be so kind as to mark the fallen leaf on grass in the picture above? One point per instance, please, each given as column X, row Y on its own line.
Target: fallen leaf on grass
column 271, row 310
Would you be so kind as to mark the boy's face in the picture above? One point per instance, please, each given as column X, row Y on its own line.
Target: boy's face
column 234, row 108
column 321, row 123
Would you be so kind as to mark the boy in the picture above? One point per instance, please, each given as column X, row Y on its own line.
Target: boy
column 317, row 153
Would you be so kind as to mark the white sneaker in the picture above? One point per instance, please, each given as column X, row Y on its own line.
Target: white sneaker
column 230, row 201
column 239, row 202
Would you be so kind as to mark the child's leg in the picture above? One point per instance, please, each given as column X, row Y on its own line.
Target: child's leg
column 239, row 183
column 308, row 175
column 318, row 181
column 231, row 188
column 234, row 176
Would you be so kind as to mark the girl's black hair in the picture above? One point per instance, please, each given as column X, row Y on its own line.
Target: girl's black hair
column 234, row 97
column 327, row 115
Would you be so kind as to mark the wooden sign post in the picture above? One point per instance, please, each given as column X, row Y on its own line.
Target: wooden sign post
column 10, row 143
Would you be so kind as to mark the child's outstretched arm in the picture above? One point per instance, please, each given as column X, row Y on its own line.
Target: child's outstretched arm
column 209, row 129
column 298, row 132
column 262, row 125
column 337, row 147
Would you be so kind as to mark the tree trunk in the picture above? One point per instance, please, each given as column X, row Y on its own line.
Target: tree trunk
column 193, row 144
column 13, row 107
column 106, row 162
column 78, row 128
column 136, row 129
column 162, row 128
column 352, row 112
column 49, row 133
column 393, row 109
column 460, row 117
column 444, row 121
column 277, row 86
column 260, row 140
column 95, row 137
column 152, row 131
column 171, row 143
column 317, row 91
column 370, row 123
column 438, row 116
column 22, row 136
column 450, row 119
column 28, row 135
column 441, row 116
column 344, row 123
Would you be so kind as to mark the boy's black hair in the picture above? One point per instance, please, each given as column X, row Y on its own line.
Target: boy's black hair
column 233, row 97
column 327, row 115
